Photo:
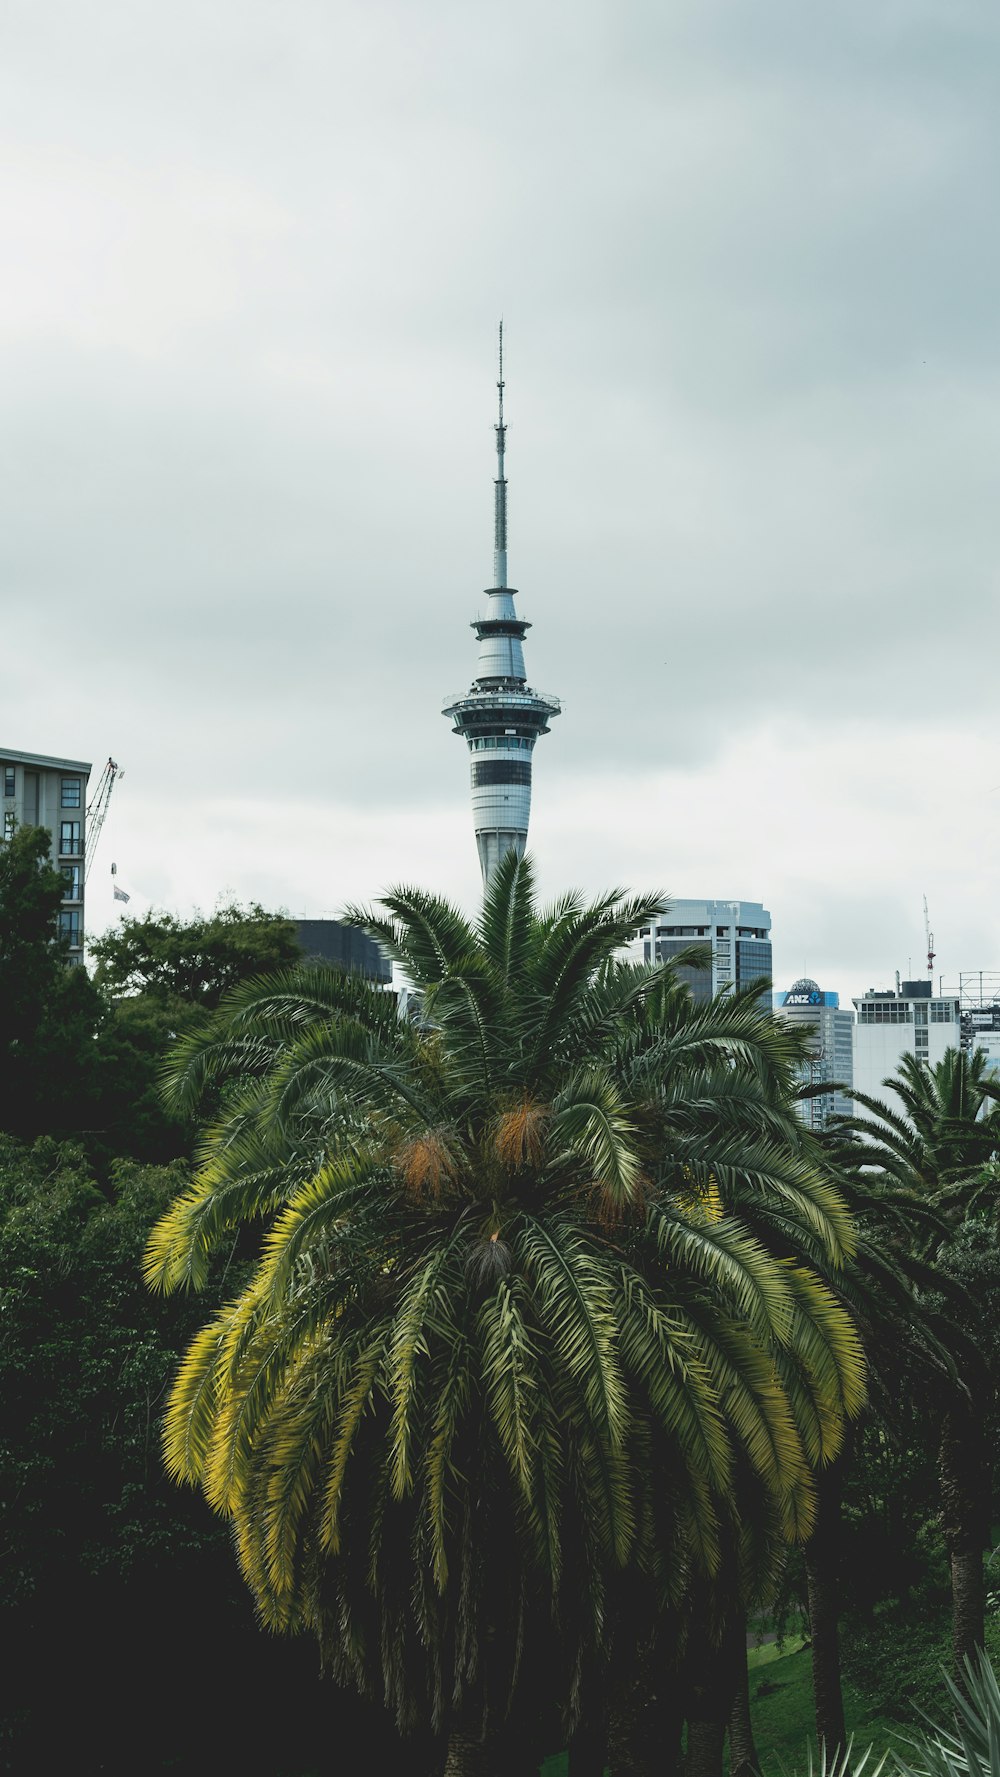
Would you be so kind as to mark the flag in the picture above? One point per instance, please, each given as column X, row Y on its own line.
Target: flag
column 120, row 894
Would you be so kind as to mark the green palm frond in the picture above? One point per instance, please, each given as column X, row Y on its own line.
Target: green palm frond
column 575, row 1303
column 507, row 925
column 424, row 933
column 590, row 1121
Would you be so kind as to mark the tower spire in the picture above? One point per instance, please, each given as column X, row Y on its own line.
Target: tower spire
column 500, row 716
column 500, row 489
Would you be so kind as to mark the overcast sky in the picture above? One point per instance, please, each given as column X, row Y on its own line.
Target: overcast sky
column 252, row 258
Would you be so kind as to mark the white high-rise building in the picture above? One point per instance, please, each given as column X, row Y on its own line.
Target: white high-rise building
column 39, row 791
column 500, row 716
column 738, row 933
column 831, row 1032
column 908, row 1020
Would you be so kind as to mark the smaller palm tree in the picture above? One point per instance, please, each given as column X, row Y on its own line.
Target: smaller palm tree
column 940, row 1150
column 941, row 1145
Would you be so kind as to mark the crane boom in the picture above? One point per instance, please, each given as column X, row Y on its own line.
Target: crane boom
column 97, row 809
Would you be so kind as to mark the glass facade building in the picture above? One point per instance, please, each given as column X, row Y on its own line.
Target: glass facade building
column 734, row 938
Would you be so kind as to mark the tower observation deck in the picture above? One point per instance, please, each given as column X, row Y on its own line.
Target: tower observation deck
column 500, row 716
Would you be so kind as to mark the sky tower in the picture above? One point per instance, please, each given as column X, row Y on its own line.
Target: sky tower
column 500, row 715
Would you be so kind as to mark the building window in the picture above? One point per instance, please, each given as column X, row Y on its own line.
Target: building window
column 8, row 781
column 71, row 877
column 69, row 926
column 70, row 792
column 884, row 1012
column 69, row 839
column 8, row 824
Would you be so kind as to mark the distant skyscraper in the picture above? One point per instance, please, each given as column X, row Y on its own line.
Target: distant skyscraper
column 831, row 1034
column 739, row 933
column 500, row 716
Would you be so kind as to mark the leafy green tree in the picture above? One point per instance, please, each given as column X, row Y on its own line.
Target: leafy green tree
column 117, row 1590
column 49, row 1010
column 507, row 1338
column 159, row 976
column 186, row 964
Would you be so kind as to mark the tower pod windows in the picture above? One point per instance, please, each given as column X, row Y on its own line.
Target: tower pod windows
column 500, row 771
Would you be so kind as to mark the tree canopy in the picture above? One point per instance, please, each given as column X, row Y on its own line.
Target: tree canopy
column 49, row 1009
column 192, row 961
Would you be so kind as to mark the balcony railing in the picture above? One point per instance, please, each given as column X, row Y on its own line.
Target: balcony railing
column 500, row 699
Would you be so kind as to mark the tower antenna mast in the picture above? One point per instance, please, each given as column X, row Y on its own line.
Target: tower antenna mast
column 500, row 488
column 931, row 953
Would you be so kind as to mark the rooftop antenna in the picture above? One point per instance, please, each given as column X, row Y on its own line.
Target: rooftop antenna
column 500, row 489
column 931, row 952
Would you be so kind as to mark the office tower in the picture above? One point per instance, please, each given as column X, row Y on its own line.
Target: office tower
column 39, row 791
column 831, row 1047
column 737, row 932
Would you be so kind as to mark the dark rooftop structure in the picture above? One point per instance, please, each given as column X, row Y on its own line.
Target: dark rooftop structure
column 346, row 947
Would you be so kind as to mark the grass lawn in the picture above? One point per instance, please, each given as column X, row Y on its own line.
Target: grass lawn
column 781, row 1702
column 782, row 1706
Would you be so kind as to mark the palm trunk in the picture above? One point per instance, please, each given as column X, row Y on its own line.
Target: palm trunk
column 588, row 1750
column 743, row 1760
column 468, row 1753
column 632, row 1717
column 712, row 1680
column 965, row 1520
column 822, row 1564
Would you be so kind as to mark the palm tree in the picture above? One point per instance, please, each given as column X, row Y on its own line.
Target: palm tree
column 941, row 1146
column 941, row 1150
column 504, row 1339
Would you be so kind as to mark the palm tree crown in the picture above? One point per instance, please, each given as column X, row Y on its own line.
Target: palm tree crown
column 947, row 1134
column 536, row 1289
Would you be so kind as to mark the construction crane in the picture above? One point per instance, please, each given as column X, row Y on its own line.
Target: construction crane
column 930, row 939
column 97, row 809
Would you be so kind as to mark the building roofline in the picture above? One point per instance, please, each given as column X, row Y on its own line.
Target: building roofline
column 44, row 759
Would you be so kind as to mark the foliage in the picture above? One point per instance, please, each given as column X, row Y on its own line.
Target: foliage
column 970, row 1747
column 184, row 964
column 518, row 1318
column 116, row 1591
column 48, row 1009
column 84, row 1360
column 897, row 1659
